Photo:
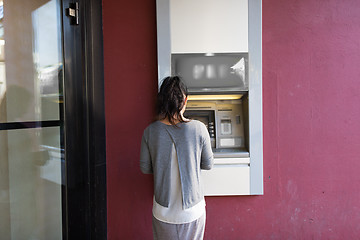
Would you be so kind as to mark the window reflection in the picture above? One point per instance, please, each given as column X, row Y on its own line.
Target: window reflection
column 31, row 57
column 31, row 159
column 2, row 53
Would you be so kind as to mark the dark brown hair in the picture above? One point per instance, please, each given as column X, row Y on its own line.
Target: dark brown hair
column 171, row 99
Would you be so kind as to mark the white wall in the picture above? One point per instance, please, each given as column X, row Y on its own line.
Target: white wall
column 216, row 26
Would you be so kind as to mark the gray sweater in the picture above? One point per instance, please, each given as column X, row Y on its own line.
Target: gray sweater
column 193, row 148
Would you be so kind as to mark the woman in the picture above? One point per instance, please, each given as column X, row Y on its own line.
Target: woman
column 174, row 149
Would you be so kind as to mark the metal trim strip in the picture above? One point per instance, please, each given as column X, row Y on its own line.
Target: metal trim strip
column 30, row 124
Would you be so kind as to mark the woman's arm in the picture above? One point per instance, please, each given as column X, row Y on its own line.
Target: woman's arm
column 145, row 157
column 207, row 156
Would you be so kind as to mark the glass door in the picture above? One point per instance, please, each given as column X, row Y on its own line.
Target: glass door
column 52, row 124
column 32, row 154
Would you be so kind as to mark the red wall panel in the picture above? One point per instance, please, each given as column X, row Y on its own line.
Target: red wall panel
column 130, row 65
column 311, row 52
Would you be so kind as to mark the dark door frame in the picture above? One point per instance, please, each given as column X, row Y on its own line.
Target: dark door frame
column 84, row 192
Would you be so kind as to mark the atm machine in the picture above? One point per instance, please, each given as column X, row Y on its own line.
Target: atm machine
column 218, row 97
column 216, row 49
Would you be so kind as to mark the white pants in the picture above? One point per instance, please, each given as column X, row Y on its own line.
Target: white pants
column 187, row 231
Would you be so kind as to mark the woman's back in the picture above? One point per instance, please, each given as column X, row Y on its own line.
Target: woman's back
column 192, row 144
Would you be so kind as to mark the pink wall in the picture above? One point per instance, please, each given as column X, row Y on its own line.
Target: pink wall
column 311, row 56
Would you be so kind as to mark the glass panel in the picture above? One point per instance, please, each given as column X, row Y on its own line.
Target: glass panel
column 31, row 159
column 31, row 60
column 31, row 186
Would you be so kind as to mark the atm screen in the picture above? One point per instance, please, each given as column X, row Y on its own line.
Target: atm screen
column 205, row 116
column 212, row 72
